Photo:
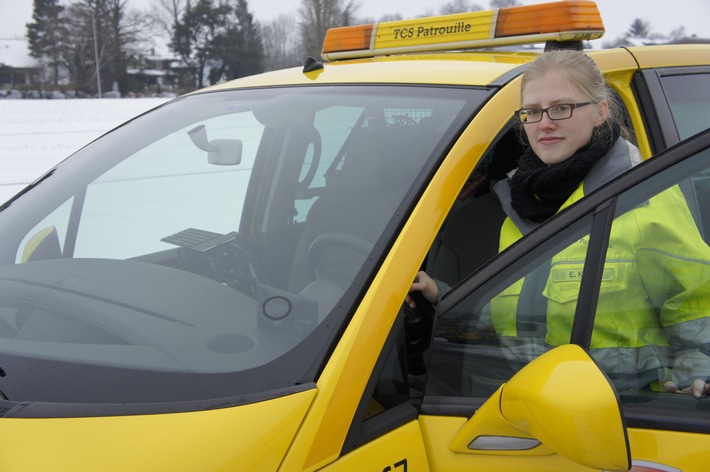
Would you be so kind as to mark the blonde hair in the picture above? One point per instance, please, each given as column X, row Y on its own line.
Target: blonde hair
column 582, row 72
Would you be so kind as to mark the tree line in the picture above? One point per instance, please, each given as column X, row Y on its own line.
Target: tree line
column 96, row 41
column 93, row 43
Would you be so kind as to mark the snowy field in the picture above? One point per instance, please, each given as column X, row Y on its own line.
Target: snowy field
column 37, row 134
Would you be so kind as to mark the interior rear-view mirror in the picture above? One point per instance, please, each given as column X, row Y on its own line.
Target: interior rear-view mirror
column 222, row 152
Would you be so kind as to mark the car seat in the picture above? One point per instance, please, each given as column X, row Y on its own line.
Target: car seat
column 358, row 202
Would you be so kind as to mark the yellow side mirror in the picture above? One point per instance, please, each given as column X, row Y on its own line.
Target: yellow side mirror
column 43, row 245
column 559, row 403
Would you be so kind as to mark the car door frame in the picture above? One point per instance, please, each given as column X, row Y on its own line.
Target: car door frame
column 655, row 109
column 601, row 205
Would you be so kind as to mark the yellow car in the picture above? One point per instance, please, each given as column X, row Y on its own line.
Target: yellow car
column 218, row 284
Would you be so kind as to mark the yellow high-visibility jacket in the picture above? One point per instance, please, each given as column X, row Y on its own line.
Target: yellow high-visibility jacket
column 653, row 310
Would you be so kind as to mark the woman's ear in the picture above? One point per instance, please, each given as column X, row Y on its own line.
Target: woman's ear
column 602, row 114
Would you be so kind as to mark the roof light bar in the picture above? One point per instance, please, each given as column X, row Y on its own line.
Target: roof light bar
column 571, row 20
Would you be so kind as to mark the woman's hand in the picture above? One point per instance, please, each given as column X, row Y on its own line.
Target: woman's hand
column 425, row 284
column 699, row 388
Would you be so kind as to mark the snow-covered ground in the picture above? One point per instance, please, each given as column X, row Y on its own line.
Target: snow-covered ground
column 37, row 134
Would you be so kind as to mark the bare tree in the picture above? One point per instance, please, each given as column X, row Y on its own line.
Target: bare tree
column 504, row 3
column 319, row 15
column 458, row 6
column 166, row 13
column 388, row 17
column 78, row 50
column 281, row 41
column 677, row 34
column 118, row 39
column 103, row 28
column 72, row 37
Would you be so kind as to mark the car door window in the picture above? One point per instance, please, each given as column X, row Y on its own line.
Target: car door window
column 494, row 331
column 689, row 100
column 650, row 304
column 652, row 324
column 643, row 310
column 675, row 103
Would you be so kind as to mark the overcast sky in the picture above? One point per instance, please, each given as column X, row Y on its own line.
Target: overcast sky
column 663, row 16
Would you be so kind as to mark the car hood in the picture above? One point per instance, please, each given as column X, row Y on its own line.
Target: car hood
column 247, row 437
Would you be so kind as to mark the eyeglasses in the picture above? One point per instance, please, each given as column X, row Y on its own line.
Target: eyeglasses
column 561, row 111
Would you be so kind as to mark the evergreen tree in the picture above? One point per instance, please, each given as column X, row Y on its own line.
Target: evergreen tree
column 252, row 47
column 639, row 29
column 217, row 40
column 239, row 50
column 45, row 33
column 196, row 34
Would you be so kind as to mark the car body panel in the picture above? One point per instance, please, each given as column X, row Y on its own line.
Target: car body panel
column 311, row 428
column 410, row 453
column 670, row 56
column 249, row 437
column 466, row 69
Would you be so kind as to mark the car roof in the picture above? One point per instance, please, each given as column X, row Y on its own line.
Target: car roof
column 461, row 68
column 450, row 68
column 671, row 55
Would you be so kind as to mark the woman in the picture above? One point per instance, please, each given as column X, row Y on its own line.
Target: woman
column 575, row 144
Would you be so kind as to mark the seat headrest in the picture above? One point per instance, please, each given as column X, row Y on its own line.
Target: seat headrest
column 378, row 158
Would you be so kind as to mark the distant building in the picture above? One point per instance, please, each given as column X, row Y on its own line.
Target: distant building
column 155, row 74
column 18, row 70
column 149, row 74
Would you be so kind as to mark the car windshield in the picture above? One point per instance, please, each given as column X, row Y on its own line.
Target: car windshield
column 214, row 247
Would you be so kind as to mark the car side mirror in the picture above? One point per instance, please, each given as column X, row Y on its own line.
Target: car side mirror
column 42, row 245
column 559, row 403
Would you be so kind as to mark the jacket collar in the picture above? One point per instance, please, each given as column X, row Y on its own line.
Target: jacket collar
column 622, row 157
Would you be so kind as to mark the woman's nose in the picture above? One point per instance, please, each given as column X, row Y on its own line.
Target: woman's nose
column 546, row 121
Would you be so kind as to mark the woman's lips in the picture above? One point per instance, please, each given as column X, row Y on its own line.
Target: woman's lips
column 549, row 140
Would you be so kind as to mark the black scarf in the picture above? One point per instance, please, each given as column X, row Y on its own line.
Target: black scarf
column 538, row 190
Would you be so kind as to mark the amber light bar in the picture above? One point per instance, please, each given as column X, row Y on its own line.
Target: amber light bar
column 571, row 20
